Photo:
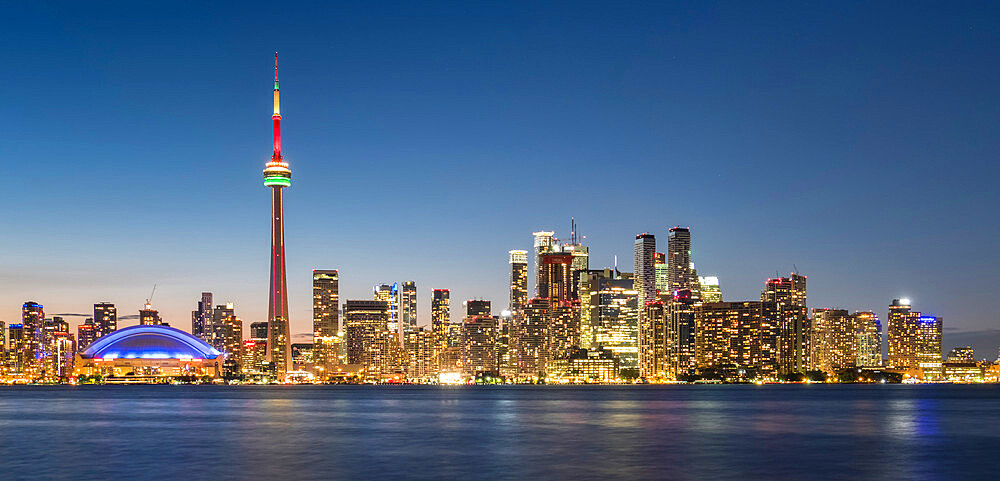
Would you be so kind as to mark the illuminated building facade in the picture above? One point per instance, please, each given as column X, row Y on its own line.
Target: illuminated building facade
column 586, row 365
column 555, row 283
column 149, row 316
column 201, row 318
column 833, row 340
column 518, row 281
column 645, row 286
column 421, row 353
column 653, row 333
column 545, row 242
column 901, row 335
column 929, row 351
column 735, row 335
column 33, row 322
column 277, row 176
column 710, row 289
column 390, row 296
column 326, row 323
column 233, row 341
column 369, row 342
column 661, row 271
column 868, row 338
column 220, row 316
column 441, row 315
column 149, row 352
column 680, row 327
column 787, row 295
column 532, row 338
column 408, row 305
column 615, row 319
column 18, row 343
column 679, row 268
column 86, row 333
column 105, row 318
column 479, row 350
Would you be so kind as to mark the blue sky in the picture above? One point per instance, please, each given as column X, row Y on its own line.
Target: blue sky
column 857, row 141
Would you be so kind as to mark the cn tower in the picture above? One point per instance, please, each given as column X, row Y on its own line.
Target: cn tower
column 277, row 176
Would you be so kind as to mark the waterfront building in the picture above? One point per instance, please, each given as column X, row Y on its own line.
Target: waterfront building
column 326, row 323
column 653, row 340
column 421, row 354
column 479, row 350
column 3, row 348
column 868, row 338
column 408, row 305
column 962, row 354
column 711, row 291
column 614, row 317
column 680, row 335
column 106, row 318
column 233, row 340
column 201, row 318
column 833, row 340
column 533, row 338
column 901, row 335
column 277, row 176
column 555, row 283
column 787, row 296
column 33, row 322
column 18, row 344
column 149, row 316
column 586, row 365
column 148, row 353
column 370, row 344
column 254, row 355
column 735, row 336
column 645, row 286
column 929, row 351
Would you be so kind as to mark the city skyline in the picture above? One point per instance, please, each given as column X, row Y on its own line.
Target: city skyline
column 205, row 240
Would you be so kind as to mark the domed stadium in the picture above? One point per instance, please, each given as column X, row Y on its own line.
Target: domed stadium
column 147, row 353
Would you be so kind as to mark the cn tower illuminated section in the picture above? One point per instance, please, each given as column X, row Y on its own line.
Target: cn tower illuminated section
column 277, row 176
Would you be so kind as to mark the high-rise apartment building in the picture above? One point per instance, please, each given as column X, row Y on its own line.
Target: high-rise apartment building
column 105, row 318
column 833, row 340
column 532, row 338
column 518, row 281
column 479, row 337
column 421, row 349
column 201, row 318
column 614, row 317
column 929, row 350
column 679, row 264
column 33, row 322
column 868, row 338
column 737, row 336
column 680, row 337
column 233, row 339
column 788, row 297
column 326, row 323
column 653, row 332
column 390, row 296
column 901, row 335
column 366, row 334
column 645, row 287
column 408, row 305
column 220, row 315
column 16, row 357
column 86, row 333
column 661, row 270
column 545, row 242
column 440, row 316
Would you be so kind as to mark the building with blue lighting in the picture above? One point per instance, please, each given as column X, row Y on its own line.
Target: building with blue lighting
column 149, row 351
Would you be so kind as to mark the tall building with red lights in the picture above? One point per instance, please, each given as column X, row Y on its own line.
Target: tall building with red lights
column 277, row 176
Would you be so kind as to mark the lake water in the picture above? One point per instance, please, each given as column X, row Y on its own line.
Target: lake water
column 857, row 432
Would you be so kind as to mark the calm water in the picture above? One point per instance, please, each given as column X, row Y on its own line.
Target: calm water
column 340, row 432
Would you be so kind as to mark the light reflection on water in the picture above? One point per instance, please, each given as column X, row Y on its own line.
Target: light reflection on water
column 592, row 432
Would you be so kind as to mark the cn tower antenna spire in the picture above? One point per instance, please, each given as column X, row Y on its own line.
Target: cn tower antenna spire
column 275, row 70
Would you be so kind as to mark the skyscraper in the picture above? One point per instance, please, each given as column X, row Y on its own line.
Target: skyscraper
column 86, row 333
column 929, row 329
column 787, row 296
column 868, row 337
column 679, row 258
column 368, row 340
column 220, row 316
column 661, row 271
column 326, row 302
column 201, row 318
column 18, row 344
column 645, row 288
column 680, row 338
column 518, row 281
column 408, row 305
column 390, row 296
column 736, row 336
column 532, row 338
column 277, row 176
column 833, row 340
column 105, row 318
column 544, row 242
column 440, row 316
column 33, row 322
column 901, row 334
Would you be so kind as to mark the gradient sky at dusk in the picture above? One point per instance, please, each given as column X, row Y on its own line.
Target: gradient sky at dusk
column 857, row 141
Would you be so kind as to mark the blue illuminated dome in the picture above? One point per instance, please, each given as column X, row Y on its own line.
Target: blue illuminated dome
column 149, row 342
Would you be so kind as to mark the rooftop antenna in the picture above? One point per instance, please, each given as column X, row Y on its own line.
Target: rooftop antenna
column 572, row 231
column 795, row 269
